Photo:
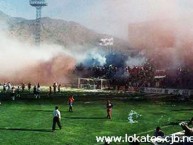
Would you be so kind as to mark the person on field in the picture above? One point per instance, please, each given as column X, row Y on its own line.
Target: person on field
column 106, row 143
column 29, row 86
column 38, row 91
column 23, row 87
column 56, row 119
column 109, row 109
column 54, row 87
column 50, row 91
column 38, row 85
column 158, row 132
column 4, row 87
column 35, row 91
column 59, row 86
column 9, row 87
column 70, row 102
column 13, row 93
column 18, row 92
column 188, row 130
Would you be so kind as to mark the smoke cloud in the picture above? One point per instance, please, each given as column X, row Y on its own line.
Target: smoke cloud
column 21, row 62
column 162, row 27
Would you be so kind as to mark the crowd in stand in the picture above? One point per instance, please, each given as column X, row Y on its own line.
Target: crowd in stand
column 147, row 75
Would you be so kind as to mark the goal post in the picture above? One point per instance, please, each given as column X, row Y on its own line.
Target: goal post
column 93, row 83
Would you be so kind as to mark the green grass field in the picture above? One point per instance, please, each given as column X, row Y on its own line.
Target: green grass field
column 29, row 121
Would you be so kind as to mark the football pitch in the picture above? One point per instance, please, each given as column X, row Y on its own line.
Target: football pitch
column 29, row 121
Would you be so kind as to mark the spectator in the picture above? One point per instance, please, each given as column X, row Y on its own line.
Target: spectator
column 188, row 130
column 35, row 92
column 29, row 86
column 23, row 87
column 59, row 86
column 13, row 93
column 158, row 132
column 38, row 91
column 50, row 91
column 54, row 87
column 18, row 92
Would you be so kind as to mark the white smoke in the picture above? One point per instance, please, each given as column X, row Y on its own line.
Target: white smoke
column 15, row 55
column 98, row 57
column 92, row 56
column 133, row 116
column 21, row 61
column 136, row 61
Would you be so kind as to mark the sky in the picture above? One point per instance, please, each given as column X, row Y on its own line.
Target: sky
column 104, row 16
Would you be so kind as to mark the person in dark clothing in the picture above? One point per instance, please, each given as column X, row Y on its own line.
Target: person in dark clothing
column 59, row 86
column 50, row 91
column 18, row 92
column 29, row 86
column 38, row 85
column 188, row 130
column 35, row 91
column 56, row 119
column 158, row 132
column 54, row 87
column 109, row 109
column 13, row 93
column 23, row 87
column 106, row 143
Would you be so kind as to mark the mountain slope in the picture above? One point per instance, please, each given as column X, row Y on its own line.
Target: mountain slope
column 55, row 31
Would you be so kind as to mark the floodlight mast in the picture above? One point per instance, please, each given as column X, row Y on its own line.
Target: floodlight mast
column 38, row 4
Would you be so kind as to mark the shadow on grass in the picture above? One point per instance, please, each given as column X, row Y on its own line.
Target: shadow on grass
column 180, row 120
column 25, row 129
column 85, row 118
column 183, row 109
column 38, row 110
column 173, row 123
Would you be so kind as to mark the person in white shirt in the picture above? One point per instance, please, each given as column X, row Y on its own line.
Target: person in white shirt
column 56, row 119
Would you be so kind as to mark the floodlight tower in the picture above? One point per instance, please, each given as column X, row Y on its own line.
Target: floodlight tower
column 38, row 4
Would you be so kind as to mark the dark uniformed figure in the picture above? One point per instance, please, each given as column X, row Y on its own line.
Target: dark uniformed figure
column 18, row 92
column 55, row 86
column 59, row 86
column 158, row 132
column 23, row 87
column 29, row 86
column 50, row 91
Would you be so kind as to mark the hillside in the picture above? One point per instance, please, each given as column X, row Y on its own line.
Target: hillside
column 55, row 31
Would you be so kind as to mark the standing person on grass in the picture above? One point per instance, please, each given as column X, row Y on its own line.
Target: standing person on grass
column 158, row 132
column 70, row 102
column 50, row 91
column 109, row 109
column 56, row 119
column 13, row 93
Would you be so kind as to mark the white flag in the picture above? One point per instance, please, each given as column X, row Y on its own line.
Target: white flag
column 106, row 42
